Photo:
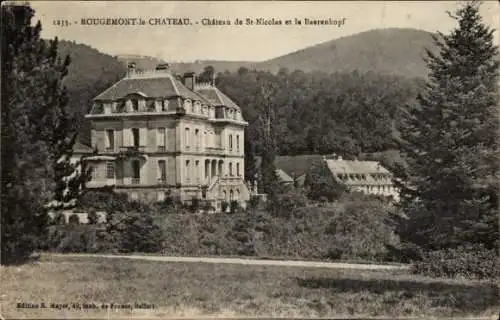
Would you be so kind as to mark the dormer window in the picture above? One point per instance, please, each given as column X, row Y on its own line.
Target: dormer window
column 107, row 108
column 135, row 105
column 158, row 106
column 98, row 108
column 187, row 104
column 141, row 105
column 129, row 106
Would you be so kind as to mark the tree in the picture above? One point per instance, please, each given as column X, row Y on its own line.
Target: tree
column 448, row 139
column 269, row 178
column 321, row 184
column 250, row 165
column 33, row 130
column 208, row 75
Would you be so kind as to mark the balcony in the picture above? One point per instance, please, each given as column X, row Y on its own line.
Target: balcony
column 132, row 151
column 136, row 180
column 213, row 150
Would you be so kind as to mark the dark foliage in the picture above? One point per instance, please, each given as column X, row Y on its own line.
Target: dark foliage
column 471, row 261
column 321, row 186
column 353, row 228
column 36, row 130
column 342, row 113
column 449, row 142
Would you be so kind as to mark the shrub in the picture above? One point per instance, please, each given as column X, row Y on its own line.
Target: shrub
column 104, row 199
column 284, row 204
column 472, row 261
column 195, row 205
column 73, row 238
column 234, row 206
column 73, row 219
column 253, row 202
column 133, row 232
column 92, row 217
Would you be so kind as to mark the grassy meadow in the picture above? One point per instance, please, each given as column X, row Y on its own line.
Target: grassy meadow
column 199, row 289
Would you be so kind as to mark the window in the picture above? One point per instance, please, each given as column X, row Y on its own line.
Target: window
column 160, row 139
column 187, row 170
column 231, row 195
column 110, row 170
column 136, row 172
column 94, row 172
column 110, row 140
column 135, row 135
column 197, row 138
column 165, row 105
column 197, row 169
column 186, row 137
column 238, row 169
column 230, row 142
column 135, row 105
column 162, row 168
column 238, row 143
column 230, row 169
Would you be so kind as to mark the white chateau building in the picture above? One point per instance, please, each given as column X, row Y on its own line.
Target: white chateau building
column 159, row 136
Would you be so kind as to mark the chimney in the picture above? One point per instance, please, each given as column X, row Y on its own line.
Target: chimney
column 131, row 67
column 189, row 80
column 212, row 81
column 162, row 67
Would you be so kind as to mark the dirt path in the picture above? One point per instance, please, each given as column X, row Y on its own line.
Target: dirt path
column 259, row 262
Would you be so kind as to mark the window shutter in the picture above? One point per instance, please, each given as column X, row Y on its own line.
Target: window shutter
column 107, row 143
column 127, row 137
column 143, row 136
column 117, row 137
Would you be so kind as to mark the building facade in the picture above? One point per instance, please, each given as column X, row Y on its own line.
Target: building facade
column 369, row 177
column 157, row 136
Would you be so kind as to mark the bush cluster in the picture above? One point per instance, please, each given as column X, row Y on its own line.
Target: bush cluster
column 471, row 261
column 353, row 228
column 129, row 226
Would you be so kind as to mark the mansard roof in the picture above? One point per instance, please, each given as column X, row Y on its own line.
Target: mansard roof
column 355, row 167
column 149, row 85
column 215, row 96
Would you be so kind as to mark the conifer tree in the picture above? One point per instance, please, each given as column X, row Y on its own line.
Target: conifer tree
column 37, row 131
column 250, row 169
column 268, row 91
column 448, row 139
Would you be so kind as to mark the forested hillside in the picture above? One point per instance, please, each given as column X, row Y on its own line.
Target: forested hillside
column 343, row 113
column 388, row 51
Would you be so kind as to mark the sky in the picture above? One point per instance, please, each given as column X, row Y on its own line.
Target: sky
column 237, row 42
